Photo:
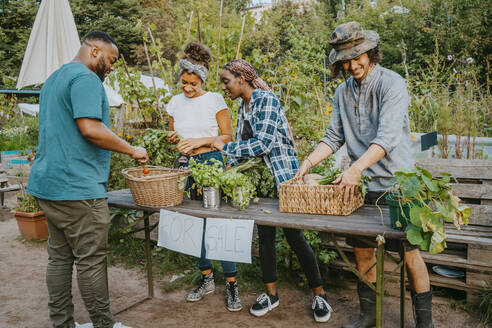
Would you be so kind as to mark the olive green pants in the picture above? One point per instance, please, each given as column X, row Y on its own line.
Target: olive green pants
column 78, row 234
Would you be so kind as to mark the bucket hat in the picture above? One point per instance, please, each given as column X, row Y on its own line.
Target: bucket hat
column 349, row 40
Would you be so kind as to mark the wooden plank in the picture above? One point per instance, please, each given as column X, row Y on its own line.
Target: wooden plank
column 477, row 280
column 463, row 239
column 481, row 255
column 435, row 279
column 470, row 190
column 460, row 168
column 481, row 214
column 487, row 201
column 10, row 188
column 457, row 259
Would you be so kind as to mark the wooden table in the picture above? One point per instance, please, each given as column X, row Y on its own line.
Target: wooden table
column 368, row 221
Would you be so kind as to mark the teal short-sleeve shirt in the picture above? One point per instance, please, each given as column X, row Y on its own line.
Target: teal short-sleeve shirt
column 67, row 166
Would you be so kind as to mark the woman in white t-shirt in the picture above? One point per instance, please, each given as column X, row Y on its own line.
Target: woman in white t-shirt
column 198, row 115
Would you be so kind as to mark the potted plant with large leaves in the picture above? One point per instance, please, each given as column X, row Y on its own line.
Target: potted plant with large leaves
column 421, row 204
column 30, row 218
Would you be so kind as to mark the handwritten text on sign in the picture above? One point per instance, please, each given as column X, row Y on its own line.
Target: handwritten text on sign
column 229, row 240
column 180, row 233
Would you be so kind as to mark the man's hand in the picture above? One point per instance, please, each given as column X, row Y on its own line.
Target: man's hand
column 218, row 144
column 140, row 154
column 172, row 137
column 348, row 183
column 305, row 167
column 186, row 146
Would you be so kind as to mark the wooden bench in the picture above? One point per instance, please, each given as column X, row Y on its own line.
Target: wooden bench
column 469, row 249
column 6, row 187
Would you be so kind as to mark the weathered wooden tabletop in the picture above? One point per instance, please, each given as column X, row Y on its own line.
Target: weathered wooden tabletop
column 366, row 221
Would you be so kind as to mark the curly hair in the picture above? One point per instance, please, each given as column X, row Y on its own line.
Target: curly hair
column 375, row 56
column 197, row 54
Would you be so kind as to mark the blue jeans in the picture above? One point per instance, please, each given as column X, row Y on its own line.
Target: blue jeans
column 229, row 268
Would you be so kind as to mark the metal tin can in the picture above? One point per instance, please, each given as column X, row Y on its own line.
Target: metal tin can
column 211, row 197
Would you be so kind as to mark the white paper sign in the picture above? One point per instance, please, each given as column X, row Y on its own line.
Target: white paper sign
column 181, row 233
column 229, row 240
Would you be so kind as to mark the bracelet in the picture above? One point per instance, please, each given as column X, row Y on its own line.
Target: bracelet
column 307, row 158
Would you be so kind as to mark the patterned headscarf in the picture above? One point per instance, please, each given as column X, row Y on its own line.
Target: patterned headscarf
column 248, row 72
column 200, row 70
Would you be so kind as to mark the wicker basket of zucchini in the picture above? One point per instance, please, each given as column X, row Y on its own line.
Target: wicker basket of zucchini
column 314, row 194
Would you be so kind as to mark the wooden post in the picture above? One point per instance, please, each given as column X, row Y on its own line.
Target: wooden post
column 402, row 285
column 188, row 32
column 240, row 36
column 148, row 262
column 136, row 97
column 380, row 284
column 218, row 42
column 153, row 80
column 168, row 81
column 198, row 26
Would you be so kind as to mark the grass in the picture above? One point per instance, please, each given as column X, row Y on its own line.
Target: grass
column 14, row 136
column 485, row 306
column 33, row 243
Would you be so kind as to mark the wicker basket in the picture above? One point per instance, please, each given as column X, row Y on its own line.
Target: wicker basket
column 298, row 197
column 158, row 188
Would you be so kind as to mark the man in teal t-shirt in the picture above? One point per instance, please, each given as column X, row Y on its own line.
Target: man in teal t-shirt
column 69, row 179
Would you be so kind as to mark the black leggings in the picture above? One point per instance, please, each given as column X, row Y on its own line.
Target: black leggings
column 304, row 252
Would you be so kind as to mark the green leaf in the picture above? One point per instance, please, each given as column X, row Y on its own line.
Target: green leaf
column 425, row 173
column 428, row 219
column 431, row 185
column 438, row 242
column 442, row 208
column 411, row 187
column 424, row 245
column 463, row 213
column 414, row 236
column 415, row 212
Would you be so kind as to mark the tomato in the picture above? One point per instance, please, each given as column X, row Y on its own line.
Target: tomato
column 146, row 171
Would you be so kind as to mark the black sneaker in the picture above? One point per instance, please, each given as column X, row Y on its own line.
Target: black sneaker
column 233, row 302
column 321, row 309
column 264, row 303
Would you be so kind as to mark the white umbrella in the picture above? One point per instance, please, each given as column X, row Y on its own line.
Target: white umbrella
column 53, row 42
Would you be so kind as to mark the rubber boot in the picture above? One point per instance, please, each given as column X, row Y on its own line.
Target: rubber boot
column 422, row 309
column 367, row 300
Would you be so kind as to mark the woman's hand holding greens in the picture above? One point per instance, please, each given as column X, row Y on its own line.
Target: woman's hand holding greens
column 173, row 137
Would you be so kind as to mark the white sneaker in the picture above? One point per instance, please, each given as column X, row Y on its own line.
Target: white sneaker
column 84, row 325
column 120, row 325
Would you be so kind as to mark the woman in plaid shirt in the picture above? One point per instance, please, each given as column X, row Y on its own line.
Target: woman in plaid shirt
column 263, row 131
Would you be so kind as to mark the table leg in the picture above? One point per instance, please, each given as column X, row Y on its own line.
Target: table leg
column 380, row 285
column 402, row 287
column 150, row 279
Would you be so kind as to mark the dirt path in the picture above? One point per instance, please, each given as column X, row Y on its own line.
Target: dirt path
column 23, row 298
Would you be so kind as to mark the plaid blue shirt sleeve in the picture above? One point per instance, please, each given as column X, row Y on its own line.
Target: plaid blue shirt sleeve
column 265, row 127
